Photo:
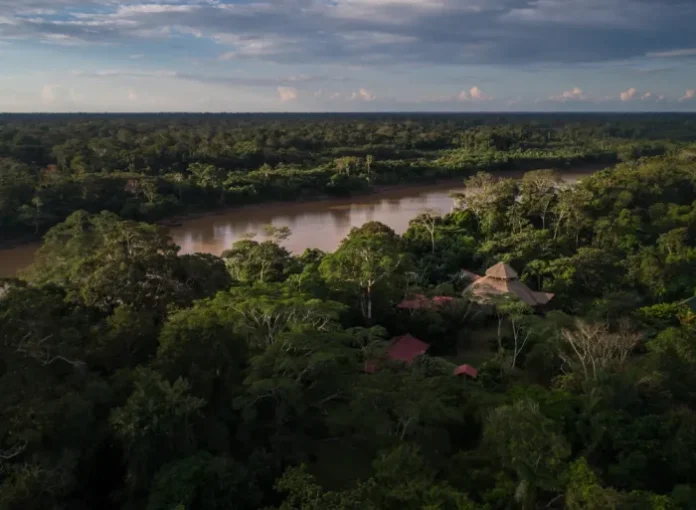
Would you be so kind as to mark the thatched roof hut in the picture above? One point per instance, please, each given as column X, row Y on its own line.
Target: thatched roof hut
column 502, row 279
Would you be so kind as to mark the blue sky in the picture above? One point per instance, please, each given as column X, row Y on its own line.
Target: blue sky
column 347, row 55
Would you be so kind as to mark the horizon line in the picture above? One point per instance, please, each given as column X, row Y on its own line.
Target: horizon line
column 388, row 112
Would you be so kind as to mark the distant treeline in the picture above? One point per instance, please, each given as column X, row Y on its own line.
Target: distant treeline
column 150, row 166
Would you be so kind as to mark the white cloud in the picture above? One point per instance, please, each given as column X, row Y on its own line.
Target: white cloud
column 365, row 38
column 575, row 94
column 473, row 94
column 688, row 95
column 361, row 95
column 37, row 12
column 384, row 11
column 129, row 10
column 287, row 93
column 274, row 42
column 254, row 46
column 48, row 94
column 647, row 95
column 52, row 93
column 366, row 95
column 628, row 95
column 132, row 96
column 580, row 12
column 686, row 52
column 128, row 73
column 62, row 39
column 364, row 31
column 58, row 96
column 237, row 80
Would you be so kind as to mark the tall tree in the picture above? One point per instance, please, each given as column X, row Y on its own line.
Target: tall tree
column 428, row 220
column 209, row 176
column 367, row 258
column 155, row 424
column 104, row 262
column 520, row 319
column 253, row 262
column 538, row 193
column 590, row 349
column 529, row 444
column 263, row 312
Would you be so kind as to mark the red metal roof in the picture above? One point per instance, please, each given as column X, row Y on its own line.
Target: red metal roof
column 415, row 302
column 419, row 301
column 406, row 348
column 466, row 370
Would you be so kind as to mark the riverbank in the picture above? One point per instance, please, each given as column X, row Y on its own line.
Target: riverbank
column 373, row 191
column 320, row 221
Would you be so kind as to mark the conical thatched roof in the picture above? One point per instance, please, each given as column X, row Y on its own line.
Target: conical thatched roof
column 502, row 271
column 502, row 279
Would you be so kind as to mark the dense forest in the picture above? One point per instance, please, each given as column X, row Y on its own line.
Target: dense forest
column 148, row 167
column 136, row 378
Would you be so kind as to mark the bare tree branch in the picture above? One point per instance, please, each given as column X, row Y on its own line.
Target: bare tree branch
column 13, row 452
column 593, row 348
column 41, row 351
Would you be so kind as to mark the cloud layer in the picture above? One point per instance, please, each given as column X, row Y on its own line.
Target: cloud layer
column 382, row 54
column 371, row 31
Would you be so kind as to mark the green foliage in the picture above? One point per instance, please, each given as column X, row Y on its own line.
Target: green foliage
column 293, row 385
column 402, row 480
column 584, row 492
column 203, row 482
column 265, row 311
column 104, row 262
column 530, row 445
column 252, row 262
column 203, row 345
column 17, row 185
column 154, row 166
column 417, row 405
column 155, row 424
column 204, row 274
column 368, row 263
column 134, row 378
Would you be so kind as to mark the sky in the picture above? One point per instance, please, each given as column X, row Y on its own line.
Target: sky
column 347, row 55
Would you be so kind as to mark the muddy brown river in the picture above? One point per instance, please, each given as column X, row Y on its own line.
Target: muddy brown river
column 314, row 224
